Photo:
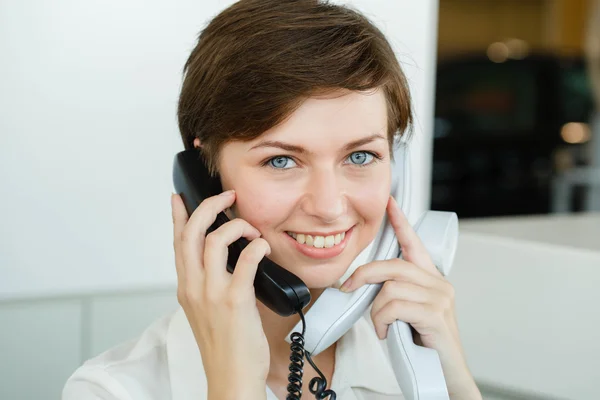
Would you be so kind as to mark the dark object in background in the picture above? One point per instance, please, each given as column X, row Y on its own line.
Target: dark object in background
column 497, row 128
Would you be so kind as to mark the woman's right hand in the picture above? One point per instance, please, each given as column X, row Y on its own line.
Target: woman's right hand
column 221, row 307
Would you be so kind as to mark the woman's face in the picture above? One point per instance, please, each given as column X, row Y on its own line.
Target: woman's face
column 317, row 185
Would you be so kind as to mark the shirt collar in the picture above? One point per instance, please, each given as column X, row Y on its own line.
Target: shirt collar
column 361, row 361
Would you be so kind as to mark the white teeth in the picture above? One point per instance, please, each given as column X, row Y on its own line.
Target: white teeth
column 329, row 241
column 309, row 240
column 337, row 239
column 318, row 241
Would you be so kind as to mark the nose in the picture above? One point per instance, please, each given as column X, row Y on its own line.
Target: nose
column 324, row 196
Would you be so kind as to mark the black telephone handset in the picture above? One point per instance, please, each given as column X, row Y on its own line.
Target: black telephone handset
column 277, row 288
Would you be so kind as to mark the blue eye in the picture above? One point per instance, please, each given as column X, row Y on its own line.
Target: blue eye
column 361, row 158
column 281, row 162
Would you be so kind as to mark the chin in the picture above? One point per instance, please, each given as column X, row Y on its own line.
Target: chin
column 320, row 280
column 321, row 275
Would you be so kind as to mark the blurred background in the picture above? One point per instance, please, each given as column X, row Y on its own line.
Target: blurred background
column 516, row 153
column 518, row 84
column 507, row 103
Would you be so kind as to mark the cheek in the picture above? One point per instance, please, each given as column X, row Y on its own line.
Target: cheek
column 261, row 205
column 372, row 198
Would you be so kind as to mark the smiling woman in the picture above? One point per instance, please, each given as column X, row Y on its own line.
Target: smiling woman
column 295, row 107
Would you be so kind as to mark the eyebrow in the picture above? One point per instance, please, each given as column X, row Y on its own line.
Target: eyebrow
column 301, row 150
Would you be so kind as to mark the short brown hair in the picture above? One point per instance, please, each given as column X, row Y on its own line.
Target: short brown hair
column 257, row 60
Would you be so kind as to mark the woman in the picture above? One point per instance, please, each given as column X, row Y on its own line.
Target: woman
column 296, row 105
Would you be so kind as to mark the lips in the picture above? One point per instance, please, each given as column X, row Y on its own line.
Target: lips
column 322, row 252
column 318, row 241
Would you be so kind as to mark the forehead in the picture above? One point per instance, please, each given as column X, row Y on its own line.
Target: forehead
column 339, row 117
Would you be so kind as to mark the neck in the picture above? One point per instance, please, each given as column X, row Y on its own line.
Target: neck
column 277, row 328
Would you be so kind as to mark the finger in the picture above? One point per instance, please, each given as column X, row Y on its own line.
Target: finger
column 216, row 251
column 395, row 290
column 245, row 269
column 413, row 249
column 194, row 232
column 409, row 312
column 393, row 269
column 180, row 218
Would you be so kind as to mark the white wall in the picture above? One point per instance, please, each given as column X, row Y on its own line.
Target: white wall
column 88, row 95
column 45, row 340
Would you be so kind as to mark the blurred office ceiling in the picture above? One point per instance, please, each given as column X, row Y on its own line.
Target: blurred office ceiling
column 468, row 26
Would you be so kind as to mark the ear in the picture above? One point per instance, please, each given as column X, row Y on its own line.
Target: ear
column 197, row 143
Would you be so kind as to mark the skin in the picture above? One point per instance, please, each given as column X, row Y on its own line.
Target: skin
column 321, row 185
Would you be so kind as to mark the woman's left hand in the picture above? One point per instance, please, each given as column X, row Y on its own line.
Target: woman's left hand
column 416, row 292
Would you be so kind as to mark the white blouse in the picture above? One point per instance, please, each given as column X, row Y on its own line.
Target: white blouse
column 165, row 364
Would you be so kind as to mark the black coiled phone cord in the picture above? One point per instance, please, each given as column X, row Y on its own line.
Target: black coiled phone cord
column 318, row 385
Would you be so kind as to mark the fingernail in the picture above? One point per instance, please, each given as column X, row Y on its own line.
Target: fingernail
column 346, row 286
column 227, row 193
